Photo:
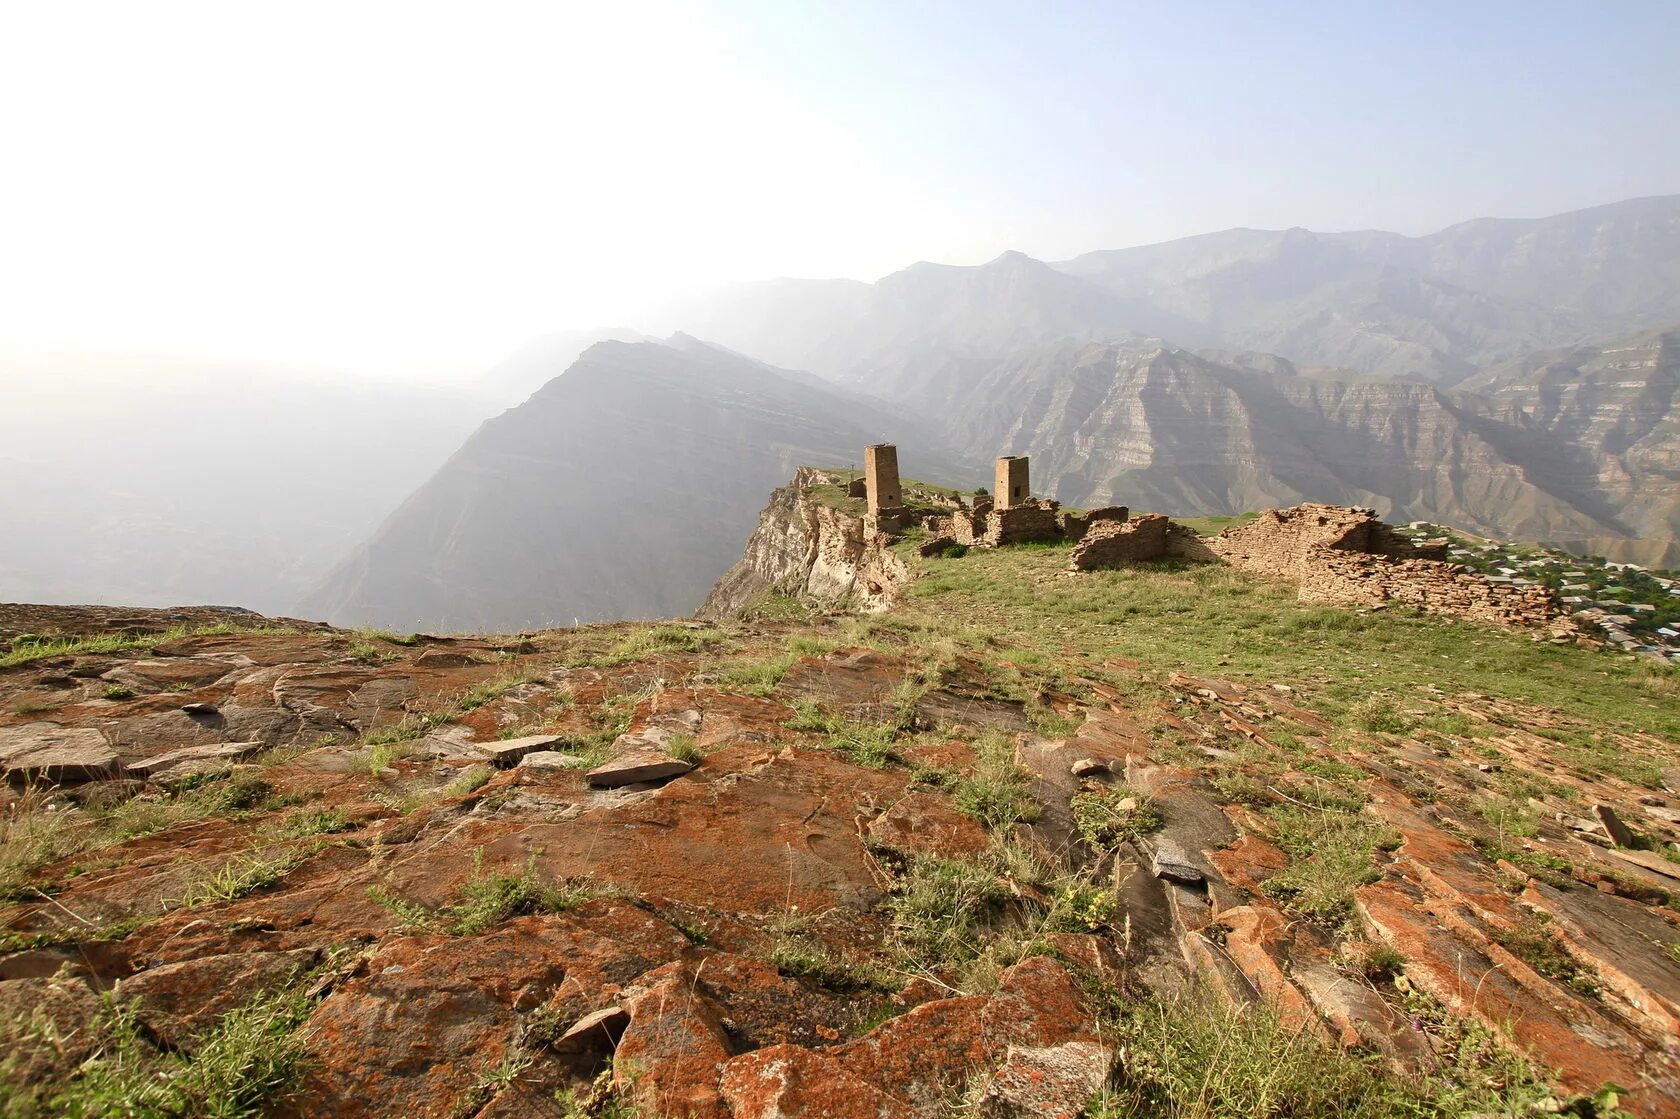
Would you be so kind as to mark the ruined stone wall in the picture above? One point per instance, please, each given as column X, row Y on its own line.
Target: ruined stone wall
column 1075, row 525
column 1342, row 578
column 1347, row 557
column 1112, row 543
column 1021, row 524
column 1276, row 544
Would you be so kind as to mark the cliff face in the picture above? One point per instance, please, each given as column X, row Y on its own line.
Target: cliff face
column 807, row 546
column 1566, row 452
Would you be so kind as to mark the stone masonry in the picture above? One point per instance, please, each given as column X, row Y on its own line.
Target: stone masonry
column 1012, row 487
column 880, row 467
column 1344, row 556
column 1335, row 555
column 1112, row 543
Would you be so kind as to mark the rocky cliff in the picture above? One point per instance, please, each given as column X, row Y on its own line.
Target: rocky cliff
column 811, row 543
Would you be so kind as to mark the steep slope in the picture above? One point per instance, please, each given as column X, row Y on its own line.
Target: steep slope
column 1164, row 429
column 621, row 489
column 1617, row 406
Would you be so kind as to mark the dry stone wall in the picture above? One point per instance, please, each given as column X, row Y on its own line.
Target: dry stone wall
column 1109, row 543
column 1334, row 554
column 1341, row 578
column 1345, row 556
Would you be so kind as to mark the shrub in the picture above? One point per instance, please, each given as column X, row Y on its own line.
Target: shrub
column 1114, row 815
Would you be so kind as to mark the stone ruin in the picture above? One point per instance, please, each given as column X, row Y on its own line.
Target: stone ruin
column 1336, row 555
column 1342, row 556
column 1011, row 515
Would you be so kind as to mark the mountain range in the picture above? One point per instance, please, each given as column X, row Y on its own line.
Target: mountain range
column 1516, row 378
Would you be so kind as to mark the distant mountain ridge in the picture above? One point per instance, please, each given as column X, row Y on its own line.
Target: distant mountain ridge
column 1433, row 308
column 619, row 490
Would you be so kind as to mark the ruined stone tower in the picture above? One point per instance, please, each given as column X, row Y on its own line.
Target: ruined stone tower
column 1011, row 488
column 880, row 468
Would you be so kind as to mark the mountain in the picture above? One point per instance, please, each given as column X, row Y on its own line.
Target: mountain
column 1165, row 429
column 1424, row 376
column 621, row 489
column 1616, row 407
column 1435, row 308
column 541, row 360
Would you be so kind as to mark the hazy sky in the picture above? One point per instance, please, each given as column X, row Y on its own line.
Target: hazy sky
column 409, row 187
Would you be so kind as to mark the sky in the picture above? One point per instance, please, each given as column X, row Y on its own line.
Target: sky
column 415, row 190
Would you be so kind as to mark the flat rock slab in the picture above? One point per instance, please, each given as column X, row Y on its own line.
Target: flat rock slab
column 509, row 751
column 49, row 752
column 549, row 759
column 636, row 767
column 594, row 1033
column 214, row 752
column 445, row 658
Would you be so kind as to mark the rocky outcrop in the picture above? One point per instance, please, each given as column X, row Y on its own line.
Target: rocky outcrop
column 812, row 548
column 768, row 930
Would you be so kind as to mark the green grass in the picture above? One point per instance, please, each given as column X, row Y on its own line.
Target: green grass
column 1201, row 1056
column 941, row 910
column 118, row 691
column 471, row 779
column 756, row 675
column 235, row 1071
column 797, row 951
column 491, row 690
column 488, row 899
column 411, row 726
column 35, row 833
column 1113, row 815
column 244, row 874
column 995, row 790
column 1331, row 854
column 1214, row 620
column 1214, row 525
column 645, row 642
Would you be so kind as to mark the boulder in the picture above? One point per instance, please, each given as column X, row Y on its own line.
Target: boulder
column 1053, row 1082
column 669, row 1057
column 227, row 752
column 782, row 1081
column 636, row 768
column 49, row 752
column 509, row 751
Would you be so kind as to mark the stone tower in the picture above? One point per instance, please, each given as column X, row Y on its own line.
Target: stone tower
column 1011, row 488
column 880, row 469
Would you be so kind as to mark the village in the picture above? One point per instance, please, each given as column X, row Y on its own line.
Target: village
column 1637, row 610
